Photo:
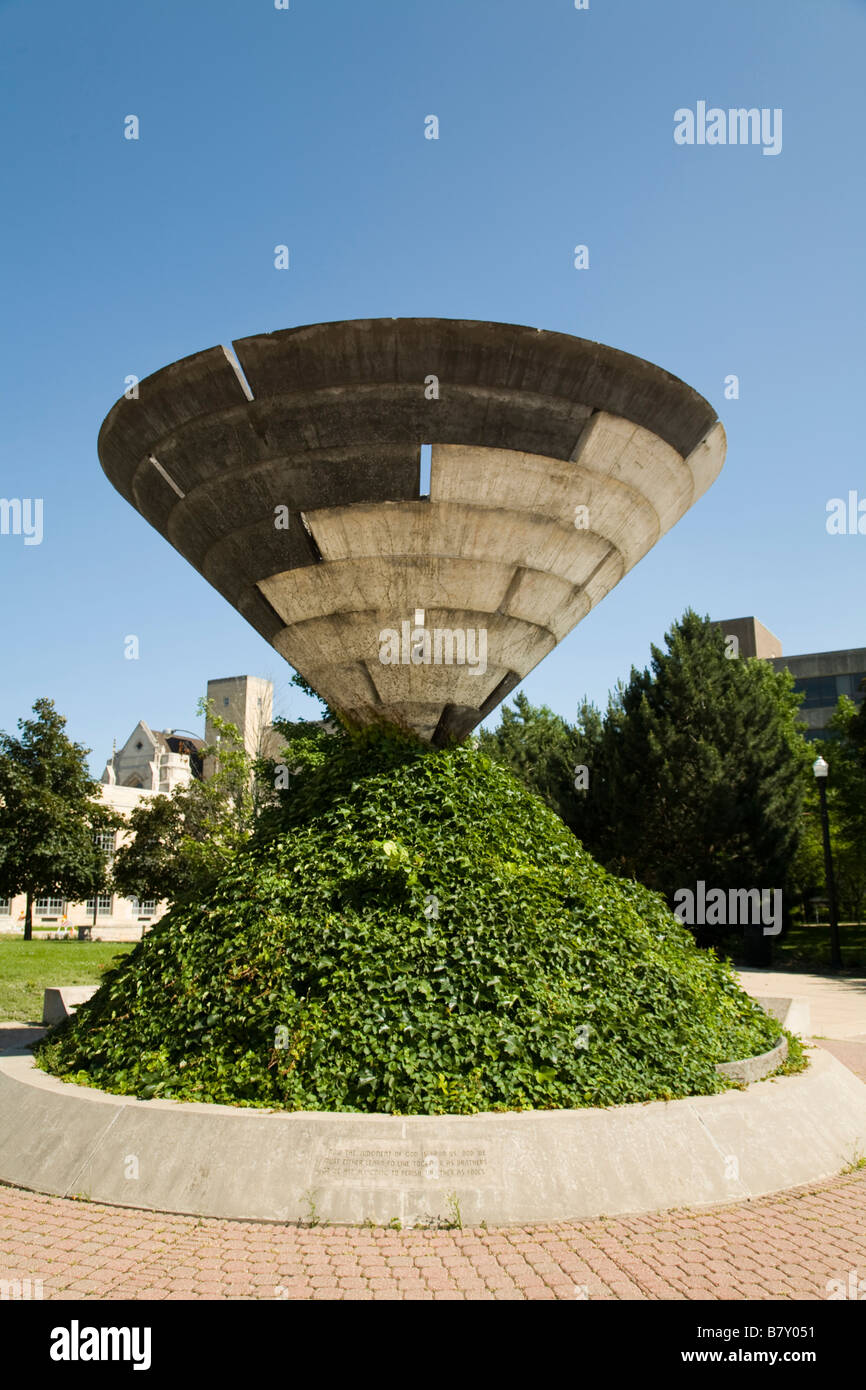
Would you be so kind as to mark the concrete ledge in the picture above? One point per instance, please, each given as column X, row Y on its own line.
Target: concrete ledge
column 748, row 1069
column 509, row 1168
column 793, row 1011
column 58, row 1004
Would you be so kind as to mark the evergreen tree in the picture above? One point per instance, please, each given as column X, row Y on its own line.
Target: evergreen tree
column 846, row 803
column 546, row 753
column 701, row 772
column 698, row 769
column 49, row 818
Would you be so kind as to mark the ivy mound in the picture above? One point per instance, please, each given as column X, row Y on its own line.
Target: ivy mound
column 413, row 932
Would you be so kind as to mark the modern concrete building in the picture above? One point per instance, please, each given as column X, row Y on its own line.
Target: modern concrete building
column 290, row 477
column 822, row 676
column 753, row 639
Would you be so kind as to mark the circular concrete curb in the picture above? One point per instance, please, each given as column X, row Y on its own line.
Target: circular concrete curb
column 747, row 1069
column 508, row 1168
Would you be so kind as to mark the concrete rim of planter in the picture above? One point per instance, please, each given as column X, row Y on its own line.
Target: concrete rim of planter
column 508, row 1168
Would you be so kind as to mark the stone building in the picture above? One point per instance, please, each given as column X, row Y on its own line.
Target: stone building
column 152, row 763
column 109, row 917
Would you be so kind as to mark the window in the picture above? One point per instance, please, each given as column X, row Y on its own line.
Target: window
column 147, row 907
column 104, row 908
column 820, row 691
column 105, row 840
column 52, row 907
column 226, row 701
column 850, row 686
column 5, row 907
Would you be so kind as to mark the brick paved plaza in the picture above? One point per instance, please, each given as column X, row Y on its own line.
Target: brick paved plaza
column 787, row 1246
column 783, row 1247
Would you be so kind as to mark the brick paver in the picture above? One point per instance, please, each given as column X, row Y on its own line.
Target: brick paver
column 851, row 1051
column 786, row 1246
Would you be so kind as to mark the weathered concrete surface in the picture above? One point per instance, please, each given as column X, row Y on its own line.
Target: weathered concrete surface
column 58, row 1004
column 502, row 1168
column 527, row 428
column 753, row 1068
column 16, row 1037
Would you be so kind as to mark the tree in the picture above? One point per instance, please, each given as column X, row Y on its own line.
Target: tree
column 806, row 877
column 702, row 769
column 547, row 753
column 696, row 771
column 49, row 818
column 180, row 843
column 845, row 751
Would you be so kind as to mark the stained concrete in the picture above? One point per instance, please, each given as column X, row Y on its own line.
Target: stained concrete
column 527, row 427
column 510, row 1168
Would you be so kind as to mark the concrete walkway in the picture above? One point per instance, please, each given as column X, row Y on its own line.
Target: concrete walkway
column 837, row 1002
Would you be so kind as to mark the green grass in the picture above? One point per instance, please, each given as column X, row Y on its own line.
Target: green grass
column 29, row 967
column 808, row 947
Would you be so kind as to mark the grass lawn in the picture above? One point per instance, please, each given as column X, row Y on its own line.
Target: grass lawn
column 809, row 947
column 29, row 967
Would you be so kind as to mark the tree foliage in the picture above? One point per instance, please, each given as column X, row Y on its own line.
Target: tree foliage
column 180, row 843
column 545, row 751
column 697, row 770
column 845, row 752
column 49, row 814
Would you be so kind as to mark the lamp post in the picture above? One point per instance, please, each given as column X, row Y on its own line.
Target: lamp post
column 821, row 768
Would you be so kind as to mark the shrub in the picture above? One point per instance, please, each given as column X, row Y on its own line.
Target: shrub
column 413, row 932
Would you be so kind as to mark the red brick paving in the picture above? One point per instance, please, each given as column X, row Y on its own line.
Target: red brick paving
column 786, row 1246
column 851, row 1051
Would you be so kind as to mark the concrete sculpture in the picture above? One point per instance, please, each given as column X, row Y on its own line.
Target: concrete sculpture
column 292, row 482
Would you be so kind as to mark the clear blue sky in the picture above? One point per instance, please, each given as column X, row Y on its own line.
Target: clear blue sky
column 306, row 127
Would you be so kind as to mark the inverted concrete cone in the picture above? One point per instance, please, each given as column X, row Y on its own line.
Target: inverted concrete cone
column 293, row 484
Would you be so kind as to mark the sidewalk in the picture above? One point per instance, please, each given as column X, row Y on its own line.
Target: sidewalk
column 837, row 1002
column 803, row 1243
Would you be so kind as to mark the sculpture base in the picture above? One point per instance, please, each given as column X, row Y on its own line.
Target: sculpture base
column 499, row 1168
